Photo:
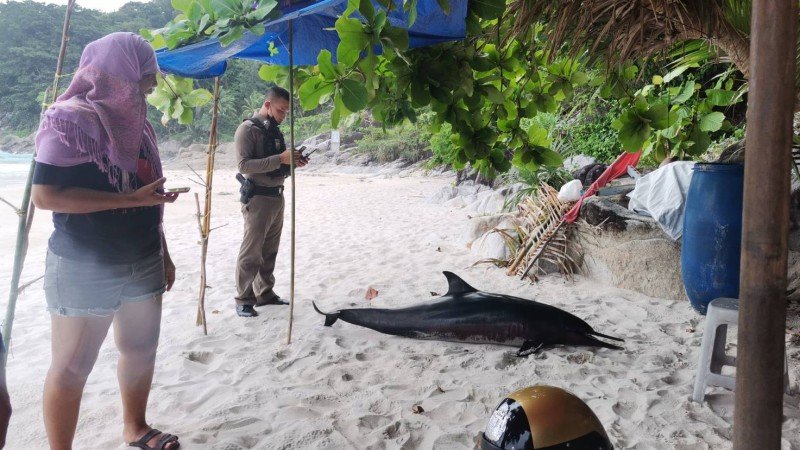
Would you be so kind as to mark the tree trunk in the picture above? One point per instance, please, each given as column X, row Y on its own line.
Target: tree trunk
column 727, row 39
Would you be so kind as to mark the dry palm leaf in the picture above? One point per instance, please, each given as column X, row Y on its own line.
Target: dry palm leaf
column 623, row 30
column 539, row 235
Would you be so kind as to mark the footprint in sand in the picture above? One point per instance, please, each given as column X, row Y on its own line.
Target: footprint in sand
column 628, row 404
column 393, row 430
column 508, row 359
column 371, row 422
column 579, row 358
column 200, row 357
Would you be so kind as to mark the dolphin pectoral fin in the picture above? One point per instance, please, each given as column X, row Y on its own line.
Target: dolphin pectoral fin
column 456, row 285
column 529, row 348
column 330, row 319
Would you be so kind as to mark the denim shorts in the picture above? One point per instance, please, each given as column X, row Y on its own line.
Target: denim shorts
column 85, row 289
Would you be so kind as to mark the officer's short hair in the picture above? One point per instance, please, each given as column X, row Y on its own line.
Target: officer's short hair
column 277, row 92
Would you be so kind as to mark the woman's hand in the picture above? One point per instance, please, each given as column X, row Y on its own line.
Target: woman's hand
column 169, row 271
column 73, row 200
column 150, row 196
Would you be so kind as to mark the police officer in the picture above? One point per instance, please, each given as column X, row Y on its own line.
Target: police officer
column 264, row 160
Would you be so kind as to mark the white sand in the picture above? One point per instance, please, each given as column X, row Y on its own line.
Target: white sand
column 349, row 387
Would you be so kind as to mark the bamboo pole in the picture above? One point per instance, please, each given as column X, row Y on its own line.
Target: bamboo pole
column 758, row 412
column 27, row 209
column 291, row 147
column 205, row 219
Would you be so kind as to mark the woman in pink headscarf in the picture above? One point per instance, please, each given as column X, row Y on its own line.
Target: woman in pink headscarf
column 98, row 170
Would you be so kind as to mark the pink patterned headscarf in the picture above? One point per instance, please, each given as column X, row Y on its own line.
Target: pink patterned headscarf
column 101, row 118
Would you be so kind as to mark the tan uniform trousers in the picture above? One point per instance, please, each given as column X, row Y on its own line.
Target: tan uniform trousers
column 263, row 223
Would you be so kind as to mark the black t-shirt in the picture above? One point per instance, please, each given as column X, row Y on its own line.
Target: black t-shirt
column 117, row 236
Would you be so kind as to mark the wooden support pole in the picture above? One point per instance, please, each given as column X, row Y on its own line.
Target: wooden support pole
column 765, row 227
column 205, row 219
column 291, row 148
column 27, row 209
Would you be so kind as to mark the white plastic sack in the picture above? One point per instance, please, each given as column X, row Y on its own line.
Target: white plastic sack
column 570, row 192
column 661, row 194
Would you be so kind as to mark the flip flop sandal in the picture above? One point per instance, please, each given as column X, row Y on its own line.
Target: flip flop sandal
column 161, row 444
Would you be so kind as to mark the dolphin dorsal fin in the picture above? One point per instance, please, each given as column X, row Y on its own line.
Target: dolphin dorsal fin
column 456, row 285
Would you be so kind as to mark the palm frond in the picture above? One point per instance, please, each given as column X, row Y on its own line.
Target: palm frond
column 625, row 30
column 537, row 236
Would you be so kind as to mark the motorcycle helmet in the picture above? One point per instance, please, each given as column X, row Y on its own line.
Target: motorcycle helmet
column 544, row 417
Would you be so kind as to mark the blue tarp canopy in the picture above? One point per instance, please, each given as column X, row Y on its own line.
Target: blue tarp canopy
column 313, row 32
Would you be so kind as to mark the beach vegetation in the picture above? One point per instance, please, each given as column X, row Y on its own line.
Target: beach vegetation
column 526, row 89
column 489, row 88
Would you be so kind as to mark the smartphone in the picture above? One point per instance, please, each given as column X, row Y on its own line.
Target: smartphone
column 177, row 190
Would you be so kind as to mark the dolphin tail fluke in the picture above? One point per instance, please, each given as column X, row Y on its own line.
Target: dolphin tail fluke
column 330, row 318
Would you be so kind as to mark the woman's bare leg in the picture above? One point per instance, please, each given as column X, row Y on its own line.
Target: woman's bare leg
column 75, row 344
column 136, row 329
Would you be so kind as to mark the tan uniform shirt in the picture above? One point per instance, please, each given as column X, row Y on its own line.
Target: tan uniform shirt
column 247, row 141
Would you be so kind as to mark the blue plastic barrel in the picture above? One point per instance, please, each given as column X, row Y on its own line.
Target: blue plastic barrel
column 712, row 233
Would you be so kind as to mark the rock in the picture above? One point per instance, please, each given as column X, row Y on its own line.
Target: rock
column 469, row 187
column 17, row 145
column 467, row 193
column 574, row 163
column 456, row 202
column 489, row 246
column 512, row 189
column 629, row 251
column 610, row 216
column 444, row 194
column 478, row 226
column 314, row 140
column 195, row 155
column 192, row 150
column 350, row 138
column 169, row 149
column 488, row 202
column 492, row 245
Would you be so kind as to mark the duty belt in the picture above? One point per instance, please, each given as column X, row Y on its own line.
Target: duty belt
column 271, row 191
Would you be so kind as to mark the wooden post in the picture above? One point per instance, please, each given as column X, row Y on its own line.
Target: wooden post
column 291, row 147
column 762, row 308
column 205, row 220
column 27, row 209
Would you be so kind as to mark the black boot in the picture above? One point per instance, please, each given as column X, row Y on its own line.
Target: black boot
column 246, row 311
column 272, row 301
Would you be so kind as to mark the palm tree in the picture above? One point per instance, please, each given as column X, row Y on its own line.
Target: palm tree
column 625, row 30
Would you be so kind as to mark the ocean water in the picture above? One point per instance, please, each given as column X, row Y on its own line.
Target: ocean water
column 14, row 169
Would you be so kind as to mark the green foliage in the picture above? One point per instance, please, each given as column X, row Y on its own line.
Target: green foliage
column 310, row 125
column 226, row 20
column 404, row 142
column 31, row 35
column 494, row 103
column 480, row 90
column 589, row 132
column 443, row 148
column 678, row 116
column 176, row 98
